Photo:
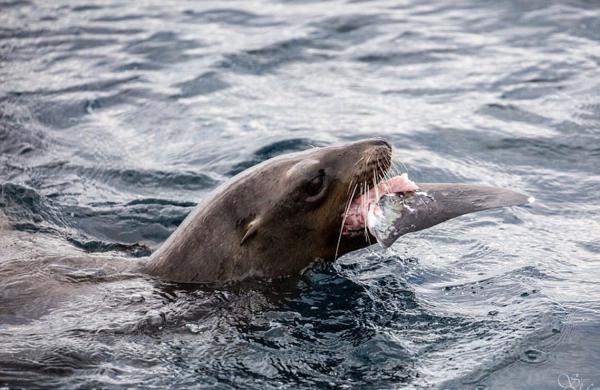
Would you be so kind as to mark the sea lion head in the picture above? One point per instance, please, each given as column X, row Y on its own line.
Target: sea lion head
column 275, row 218
column 298, row 202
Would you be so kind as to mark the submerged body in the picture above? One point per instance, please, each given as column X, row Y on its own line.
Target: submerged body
column 39, row 272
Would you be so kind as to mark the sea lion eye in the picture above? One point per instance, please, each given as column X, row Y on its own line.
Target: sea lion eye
column 315, row 185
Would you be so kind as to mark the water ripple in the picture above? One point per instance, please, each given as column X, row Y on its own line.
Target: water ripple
column 117, row 118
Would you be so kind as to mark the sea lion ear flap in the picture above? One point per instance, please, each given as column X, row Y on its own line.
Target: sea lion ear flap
column 251, row 230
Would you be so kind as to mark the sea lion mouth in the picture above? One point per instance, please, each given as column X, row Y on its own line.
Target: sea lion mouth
column 374, row 179
column 356, row 214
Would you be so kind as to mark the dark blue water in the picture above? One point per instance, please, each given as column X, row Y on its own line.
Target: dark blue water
column 117, row 117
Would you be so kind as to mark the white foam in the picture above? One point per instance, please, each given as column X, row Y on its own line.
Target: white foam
column 531, row 199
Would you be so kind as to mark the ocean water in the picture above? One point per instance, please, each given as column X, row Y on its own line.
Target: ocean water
column 117, row 117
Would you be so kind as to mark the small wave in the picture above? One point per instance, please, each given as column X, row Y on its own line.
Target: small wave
column 164, row 47
column 28, row 208
column 204, row 84
column 270, row 58
column 131, row 177
column 228, row 17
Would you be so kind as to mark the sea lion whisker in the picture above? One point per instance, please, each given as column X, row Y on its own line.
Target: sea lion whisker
column 366, row 219
column 355, row 177
column 403, row 165
column 354, row 182
column 390, row 175
column 349, row 186
column 400, row 167
column 362, row 198
column 386, row 175
column 375, row 184
column 384, row 178
column 358, row 161
column 347, row 208
column 396, row 162
column 366, row 211
column 366, row 164
column 393, row 170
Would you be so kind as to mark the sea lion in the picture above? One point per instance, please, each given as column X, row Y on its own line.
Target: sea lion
column 270, row 221
column 278, row 217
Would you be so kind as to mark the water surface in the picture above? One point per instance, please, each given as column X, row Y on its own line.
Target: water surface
column 117, row 117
